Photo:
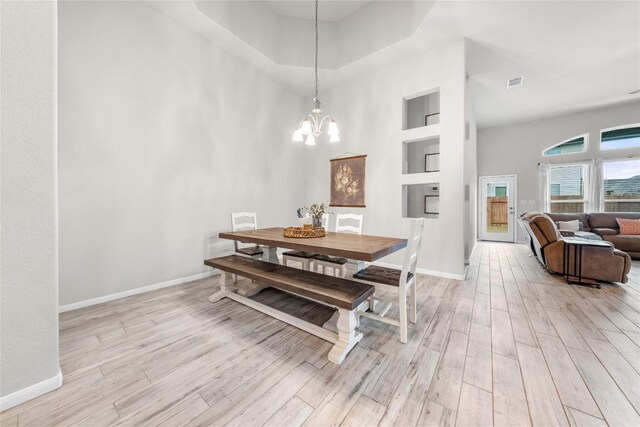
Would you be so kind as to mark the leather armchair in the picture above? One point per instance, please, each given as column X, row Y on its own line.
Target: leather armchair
column 605, row 264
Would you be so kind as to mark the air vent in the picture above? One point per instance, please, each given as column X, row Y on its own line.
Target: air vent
column 516, row 82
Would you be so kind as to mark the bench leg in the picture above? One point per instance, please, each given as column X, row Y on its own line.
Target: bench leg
column 226, row 287
column 348, row 337
column 250, row 289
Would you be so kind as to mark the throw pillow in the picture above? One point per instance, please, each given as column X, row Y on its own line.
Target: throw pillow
column 569, row 225
column 629, row 226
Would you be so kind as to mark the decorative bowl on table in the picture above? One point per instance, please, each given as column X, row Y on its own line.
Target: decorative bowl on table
column 304, row 232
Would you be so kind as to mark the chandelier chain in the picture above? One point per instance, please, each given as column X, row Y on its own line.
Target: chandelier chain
column 316, row 66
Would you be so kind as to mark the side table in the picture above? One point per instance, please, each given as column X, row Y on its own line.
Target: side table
column 577, row 244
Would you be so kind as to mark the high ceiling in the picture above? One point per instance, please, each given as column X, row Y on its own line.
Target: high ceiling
column 328, row 10
column 574, row 55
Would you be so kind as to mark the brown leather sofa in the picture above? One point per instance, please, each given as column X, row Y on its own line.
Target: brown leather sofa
column 605, row 264
column 604, row 226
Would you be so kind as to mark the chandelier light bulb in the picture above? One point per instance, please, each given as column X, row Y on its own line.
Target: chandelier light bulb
column 305, row 129
column 333, row 130
column 334, row 138
column 297, row 136
column 311, row 140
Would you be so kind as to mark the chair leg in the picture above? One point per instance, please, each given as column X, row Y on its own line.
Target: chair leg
column 402, row 305
column 413, row 314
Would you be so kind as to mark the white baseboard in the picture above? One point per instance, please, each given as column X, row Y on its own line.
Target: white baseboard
column 424, row 271
column 136, row 291
column 31, row 392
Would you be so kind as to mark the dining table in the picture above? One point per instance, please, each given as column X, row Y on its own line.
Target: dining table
column 355, row 248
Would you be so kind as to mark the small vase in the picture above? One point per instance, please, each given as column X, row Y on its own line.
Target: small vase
column 317, row 222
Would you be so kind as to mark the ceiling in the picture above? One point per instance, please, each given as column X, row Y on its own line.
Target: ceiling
column 328, row 10
column 574, row 55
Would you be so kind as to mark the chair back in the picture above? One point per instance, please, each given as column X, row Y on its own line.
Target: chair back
column 413, row 250
column 343, row 227
column 243, row 221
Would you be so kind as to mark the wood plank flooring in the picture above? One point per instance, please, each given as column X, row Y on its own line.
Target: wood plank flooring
column 508, row 346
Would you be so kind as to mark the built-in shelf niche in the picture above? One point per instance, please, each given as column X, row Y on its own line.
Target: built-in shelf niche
column 421, row 110
column 421, row 200
column 422, row 156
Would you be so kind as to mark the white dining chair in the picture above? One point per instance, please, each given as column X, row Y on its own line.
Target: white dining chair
column 345, row 223
column 304, row 258
column 245, row 221
column 403, row 281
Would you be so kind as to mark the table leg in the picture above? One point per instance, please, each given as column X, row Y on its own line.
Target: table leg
column 565, row 262
column 270, row 254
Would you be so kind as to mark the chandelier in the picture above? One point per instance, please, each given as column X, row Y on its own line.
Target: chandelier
column 312, row 125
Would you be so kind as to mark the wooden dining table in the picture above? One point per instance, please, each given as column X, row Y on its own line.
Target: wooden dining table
column 348, row 297
column 356, row 248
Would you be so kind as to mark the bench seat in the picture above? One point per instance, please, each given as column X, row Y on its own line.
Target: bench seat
column 345, row 295
column 336, row 291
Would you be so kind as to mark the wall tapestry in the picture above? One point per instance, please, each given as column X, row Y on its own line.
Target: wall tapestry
column 348, row 181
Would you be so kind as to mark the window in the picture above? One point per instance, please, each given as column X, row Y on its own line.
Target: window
column 621, row 137
column 567, row 188
column 574, row 145
column 622, row 185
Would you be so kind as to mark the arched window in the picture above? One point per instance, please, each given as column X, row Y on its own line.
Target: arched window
column 573, row 145
column 627, row 136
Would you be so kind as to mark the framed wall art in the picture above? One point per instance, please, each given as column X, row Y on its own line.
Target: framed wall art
column 348, row 181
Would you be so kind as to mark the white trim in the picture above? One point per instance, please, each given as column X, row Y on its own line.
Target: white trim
column 424, row 271
column 632, row 125
column 584, row 136
column 135, row 291
column 31, row 392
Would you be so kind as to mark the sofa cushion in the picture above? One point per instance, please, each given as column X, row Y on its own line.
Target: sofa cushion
column 569, row 225
column 582, row 217
column 608, row 219
column 587, row 235
column 605, row 231
column 624, row 243
column 629, row 227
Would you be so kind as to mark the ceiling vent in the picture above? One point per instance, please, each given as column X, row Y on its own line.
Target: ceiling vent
column 516, row 82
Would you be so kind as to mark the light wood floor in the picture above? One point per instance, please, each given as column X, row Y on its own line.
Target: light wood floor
column 510, row 345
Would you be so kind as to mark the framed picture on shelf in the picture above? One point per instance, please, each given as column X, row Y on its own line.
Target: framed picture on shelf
column 432, row 119
column 431, row 205
column 432, row 162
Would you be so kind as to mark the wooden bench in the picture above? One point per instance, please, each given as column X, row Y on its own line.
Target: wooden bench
column 345, row 295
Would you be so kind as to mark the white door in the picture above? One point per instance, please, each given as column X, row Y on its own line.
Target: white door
column 498, row 208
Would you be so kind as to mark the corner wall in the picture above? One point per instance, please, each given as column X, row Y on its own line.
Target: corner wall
column 517, row 149
column 470, row 177
column 29, row 364
column 162, row 136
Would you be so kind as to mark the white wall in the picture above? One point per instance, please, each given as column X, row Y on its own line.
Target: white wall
column 162, row 136
column 517, row 149
column 369, row 112
column 29, row 363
